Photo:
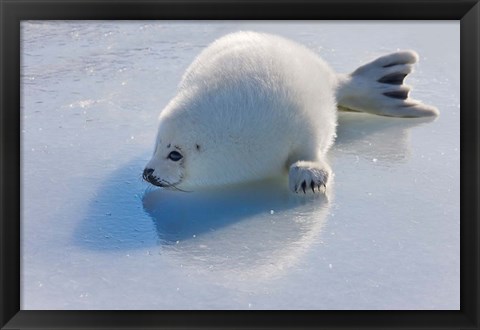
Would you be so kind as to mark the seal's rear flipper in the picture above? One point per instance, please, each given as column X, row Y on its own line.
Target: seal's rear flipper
column 377, row 87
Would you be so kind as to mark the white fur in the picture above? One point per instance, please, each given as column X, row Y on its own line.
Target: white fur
column 247, row 108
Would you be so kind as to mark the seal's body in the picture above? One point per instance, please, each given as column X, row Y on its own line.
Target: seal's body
column 253, row 105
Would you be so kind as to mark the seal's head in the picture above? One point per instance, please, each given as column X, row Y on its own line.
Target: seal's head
column 185, row 156
column 175, row 151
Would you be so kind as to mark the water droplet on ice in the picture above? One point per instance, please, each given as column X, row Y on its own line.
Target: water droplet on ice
column 272, row 211
column 330, row 266
column 374, row 160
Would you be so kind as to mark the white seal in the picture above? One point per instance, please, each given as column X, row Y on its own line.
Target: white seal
column 253, row 106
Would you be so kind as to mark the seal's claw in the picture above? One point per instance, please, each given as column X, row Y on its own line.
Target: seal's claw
column 313, row 174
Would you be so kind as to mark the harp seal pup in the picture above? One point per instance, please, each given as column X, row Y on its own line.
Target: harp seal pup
column 254, row 105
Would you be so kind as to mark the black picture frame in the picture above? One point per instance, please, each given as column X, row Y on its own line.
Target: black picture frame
column 12, row 12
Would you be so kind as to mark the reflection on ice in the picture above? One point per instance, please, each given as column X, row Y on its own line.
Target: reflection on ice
column 234, row 230
column 375, row 137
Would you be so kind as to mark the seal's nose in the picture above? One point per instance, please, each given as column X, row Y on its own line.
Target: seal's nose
column 147, row 174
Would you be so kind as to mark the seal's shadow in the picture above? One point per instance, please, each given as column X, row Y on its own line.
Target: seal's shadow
column 178, row 216
column 127, row 214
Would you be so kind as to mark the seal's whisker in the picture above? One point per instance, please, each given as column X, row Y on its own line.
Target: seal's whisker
column 140, row 177
column 170, row 185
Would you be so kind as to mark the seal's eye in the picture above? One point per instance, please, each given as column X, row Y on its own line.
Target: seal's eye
column 175, row 156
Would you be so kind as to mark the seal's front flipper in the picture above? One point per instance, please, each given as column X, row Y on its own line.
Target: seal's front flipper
column 378, row 87
column 307, row 177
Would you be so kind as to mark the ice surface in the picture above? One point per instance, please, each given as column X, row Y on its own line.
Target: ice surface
column 94, row 236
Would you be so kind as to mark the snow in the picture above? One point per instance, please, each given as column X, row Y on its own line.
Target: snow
column 94, row 236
